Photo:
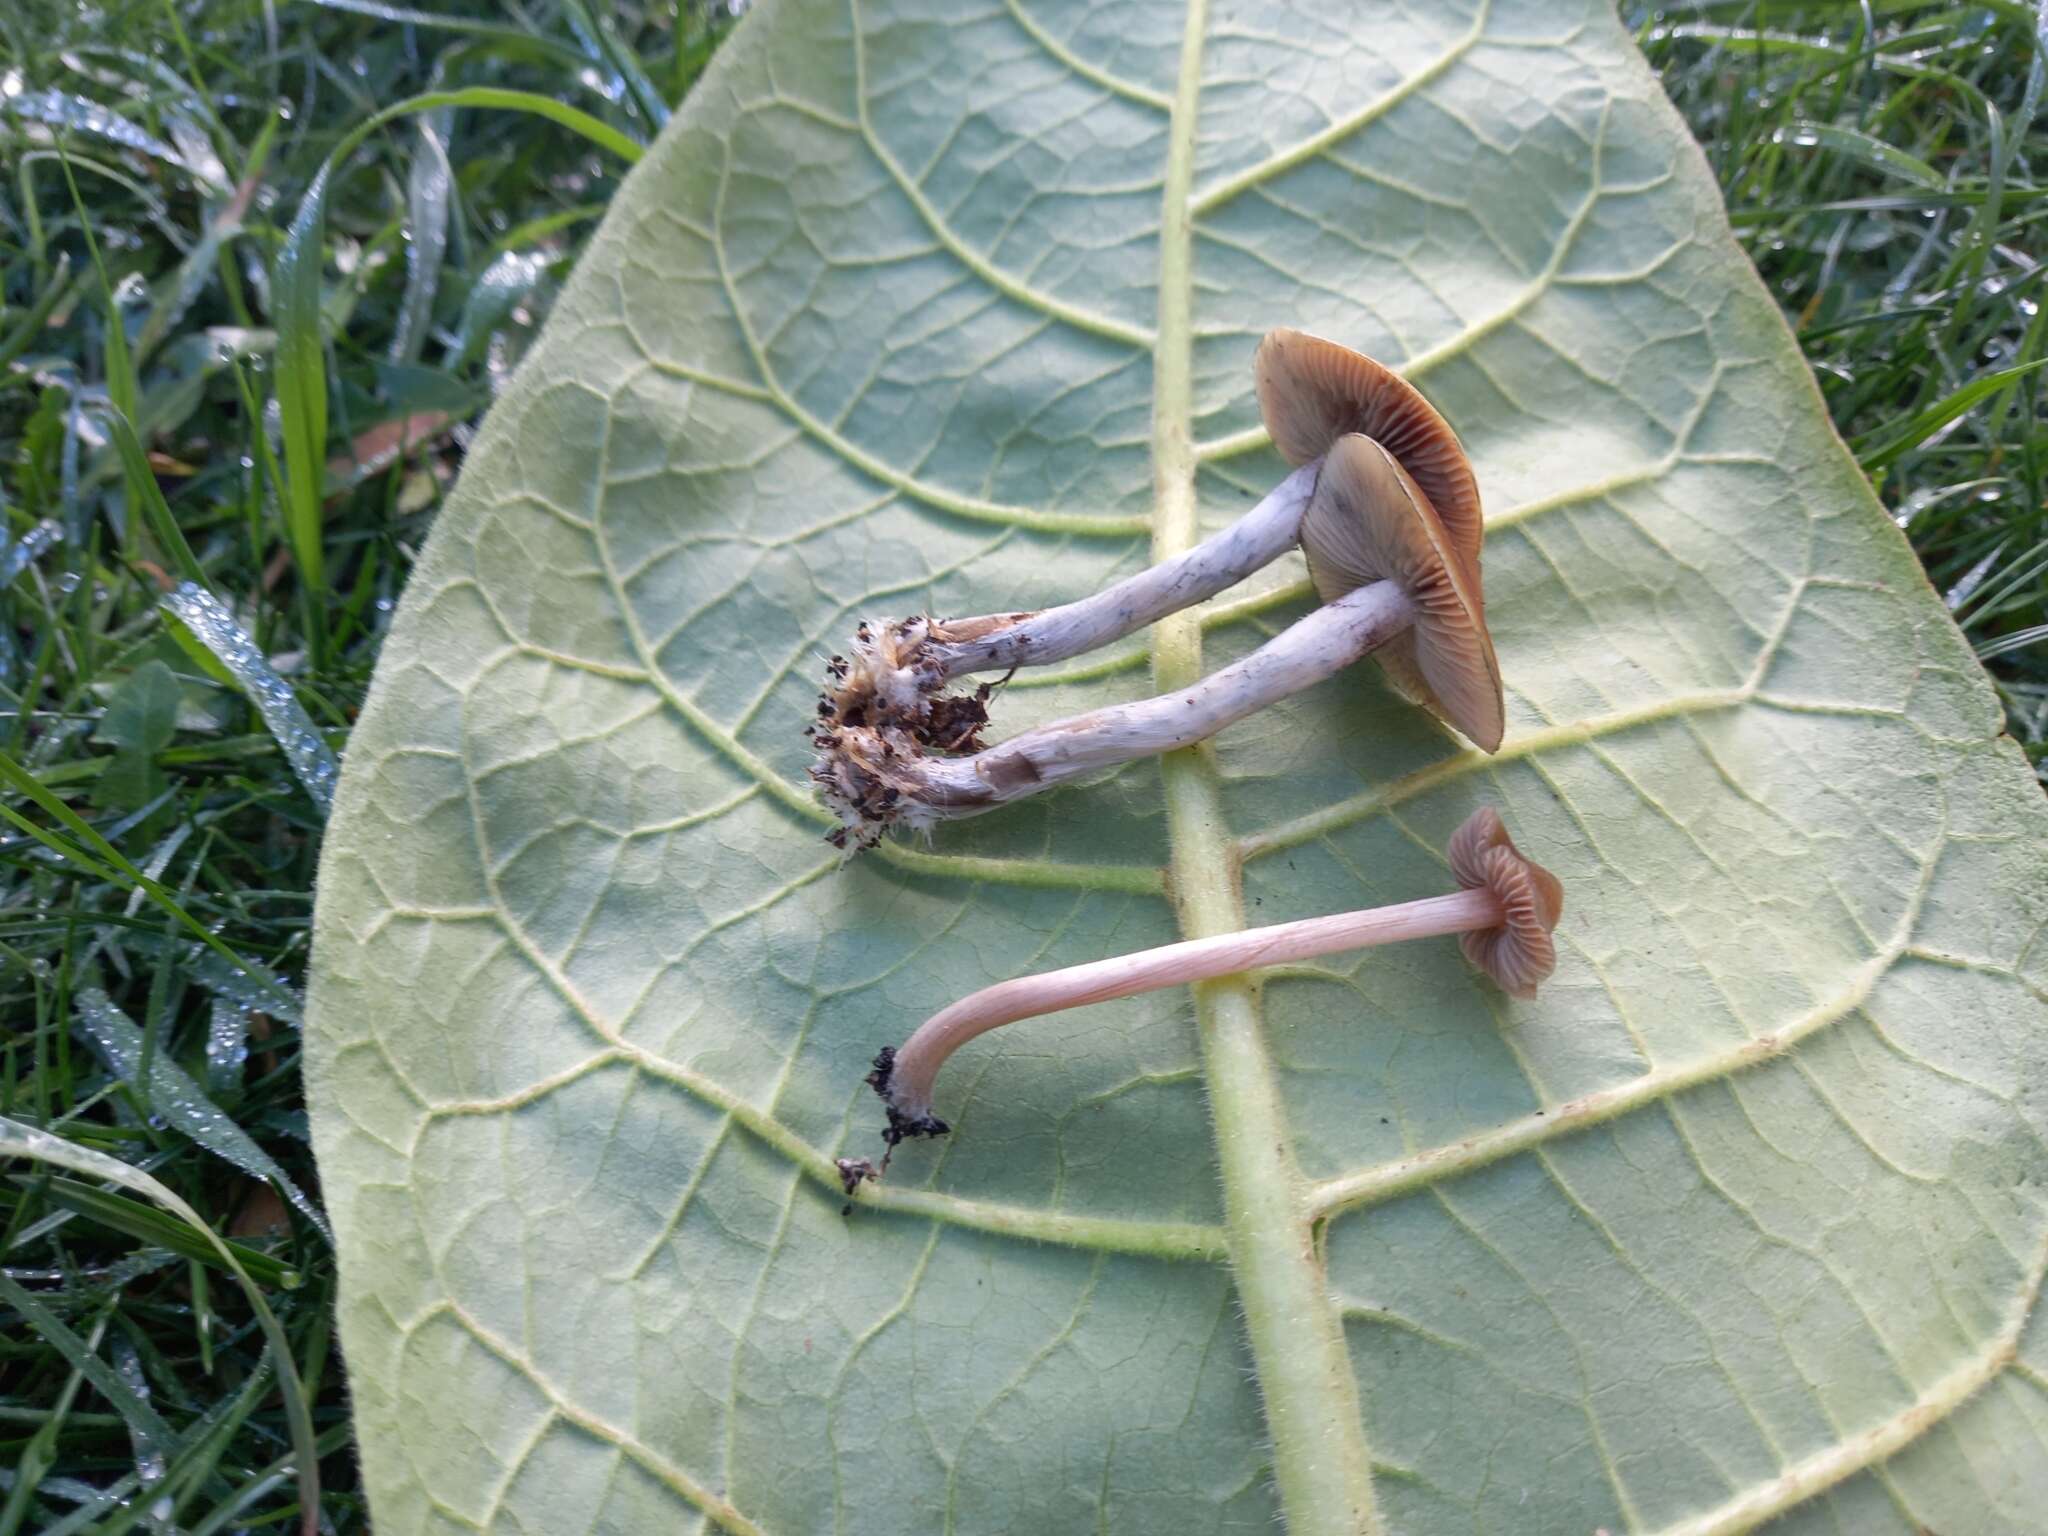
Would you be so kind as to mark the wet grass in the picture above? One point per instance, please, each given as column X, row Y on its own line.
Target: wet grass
column 163, row 783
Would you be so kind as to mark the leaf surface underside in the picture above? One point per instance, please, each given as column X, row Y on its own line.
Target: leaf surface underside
column 950, row 307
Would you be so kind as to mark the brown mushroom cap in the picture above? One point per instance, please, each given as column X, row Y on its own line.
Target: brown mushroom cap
column 1369, row 521
column 1312, row 392
column 1519, row 953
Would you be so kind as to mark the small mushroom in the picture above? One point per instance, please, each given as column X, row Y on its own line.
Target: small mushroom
column 1503, row 916
column 1516, row 952
column 1311, row 393
column 1392, row 583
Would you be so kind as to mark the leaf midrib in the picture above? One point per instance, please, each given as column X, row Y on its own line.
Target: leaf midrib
column 1321, row 1464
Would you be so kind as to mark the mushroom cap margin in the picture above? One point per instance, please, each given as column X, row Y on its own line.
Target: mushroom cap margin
column 1519, row 953
column 1313, row 391
column 1369, row 520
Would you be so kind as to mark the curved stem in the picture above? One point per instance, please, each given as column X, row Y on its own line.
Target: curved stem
column 918, row 1060
column 1324, row 642
column 999, row 642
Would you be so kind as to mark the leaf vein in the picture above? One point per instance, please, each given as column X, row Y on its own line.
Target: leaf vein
column 1130, row 90
column 1871, row 1447
column 1335, row 132
column 1011, row 287
column 973, row 508
column 1386, row 1181
column 642, row 1454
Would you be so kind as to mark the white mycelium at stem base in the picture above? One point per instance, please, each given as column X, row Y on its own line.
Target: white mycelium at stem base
column 1504, row 917
column 886, row 702
column 886, row 705
column 1392, row 581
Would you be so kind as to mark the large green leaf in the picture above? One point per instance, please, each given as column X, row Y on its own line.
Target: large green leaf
column 922, row 305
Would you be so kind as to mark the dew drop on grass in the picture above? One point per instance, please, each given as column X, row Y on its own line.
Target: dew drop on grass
column 241, row 989
column 175, row 1101
column 57, row 109
column 1972, row 579
column 150, row 1463
column 305, row 749
column 15, row 556
column 227, row 1045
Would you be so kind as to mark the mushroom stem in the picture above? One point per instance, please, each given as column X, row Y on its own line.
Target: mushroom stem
column 913, row 1067
column 1324, row 642
column 1352, row 506
column 1504, row 916
column 997, row 642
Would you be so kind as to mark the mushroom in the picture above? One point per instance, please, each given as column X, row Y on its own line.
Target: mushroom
column 1312, row 392
column 1392, row 581
column 1503, row 916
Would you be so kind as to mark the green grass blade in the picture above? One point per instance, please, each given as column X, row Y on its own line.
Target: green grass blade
column 305, row 750
column 2019, row 640
column 301, row 349
column 38, row 1457
column 112, row 1497
column 263, row 1483
column 429, row 187
column 147, row 1224
column 148, row 496
column 199, row 1458
column 1875, row 153
column 561, row 114
column 23, row 335
column 18, row 1140
column 106, row 862
column 119, row 367
column 169, row 1091
column 409, row 16
column 140, row 1417
column 301, row 363
column 195, row 1460
column 603, row 46
column 1877, row 449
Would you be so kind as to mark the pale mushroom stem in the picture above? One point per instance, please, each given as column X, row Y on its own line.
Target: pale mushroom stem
column 907, row 1074
column 1504, row 918
column 1324, row 642
column 997, row 642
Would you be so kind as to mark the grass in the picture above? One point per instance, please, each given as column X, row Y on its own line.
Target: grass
column 163, row 792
